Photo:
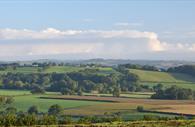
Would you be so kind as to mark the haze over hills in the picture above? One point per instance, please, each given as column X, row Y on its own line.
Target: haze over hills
column 111, row 62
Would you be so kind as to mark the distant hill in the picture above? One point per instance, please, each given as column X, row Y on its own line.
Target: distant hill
column 113, row 62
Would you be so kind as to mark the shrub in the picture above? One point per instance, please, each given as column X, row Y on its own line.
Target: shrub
column 140, row 108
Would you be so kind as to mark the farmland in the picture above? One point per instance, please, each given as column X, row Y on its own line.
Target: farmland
column 98, row 105
column 94, row 103
column 152, row 78
column 24, row 99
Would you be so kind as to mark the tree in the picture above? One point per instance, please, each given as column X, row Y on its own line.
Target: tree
column 37, row 90
column 80, row 93
column 66, row 91
column 173, row 93
column 11, row 110
column 48, row 120
column 66, row 120
column 55, row 110
column 158, row 87
column 116, row 92
column 140, row 108
column 26, row 119
column 33, row 110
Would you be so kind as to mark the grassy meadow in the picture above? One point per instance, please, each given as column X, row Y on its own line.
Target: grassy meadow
column 152, row 78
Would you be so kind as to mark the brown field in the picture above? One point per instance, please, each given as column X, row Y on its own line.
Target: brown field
column 112, row 104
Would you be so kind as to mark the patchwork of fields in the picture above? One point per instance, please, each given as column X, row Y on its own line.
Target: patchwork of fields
column 98, row 105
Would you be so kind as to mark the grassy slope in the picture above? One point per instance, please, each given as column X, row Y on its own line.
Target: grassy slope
column 152, row 78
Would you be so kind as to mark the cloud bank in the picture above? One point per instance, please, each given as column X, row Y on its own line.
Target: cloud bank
column 95, row 43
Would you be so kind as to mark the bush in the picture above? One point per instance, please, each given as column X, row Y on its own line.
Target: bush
column 140, row 108
column 37, row 90
column 33, row 110
column 55, row 110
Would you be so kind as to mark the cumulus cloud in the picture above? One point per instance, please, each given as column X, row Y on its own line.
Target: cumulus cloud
column 97, row 43
column 51, row 33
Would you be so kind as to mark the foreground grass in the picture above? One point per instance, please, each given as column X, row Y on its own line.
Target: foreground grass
column 169, row 123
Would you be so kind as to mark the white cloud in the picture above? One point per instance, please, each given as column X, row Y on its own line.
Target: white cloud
column 98, row 43
column 51, row 33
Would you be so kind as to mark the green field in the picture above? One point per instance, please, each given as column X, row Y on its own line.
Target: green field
column 57, row 69
column 24, row 99
column 152, row 78
column 24, row 102
column 62, row 69
column 14, row 92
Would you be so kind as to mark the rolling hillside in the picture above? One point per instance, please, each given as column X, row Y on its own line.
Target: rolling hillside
column 152, row 78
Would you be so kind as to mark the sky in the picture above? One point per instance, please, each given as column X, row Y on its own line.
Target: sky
column 85, row 29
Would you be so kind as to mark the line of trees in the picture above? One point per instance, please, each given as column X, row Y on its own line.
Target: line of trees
column 187, row 69
column 73, row 82
column 173, row 93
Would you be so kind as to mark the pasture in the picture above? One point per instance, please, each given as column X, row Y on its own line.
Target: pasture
column 152, row 78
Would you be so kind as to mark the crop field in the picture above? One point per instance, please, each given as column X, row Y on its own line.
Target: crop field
column 128, row 104
column 100, row 104
column 152, row 78
column 125, row 95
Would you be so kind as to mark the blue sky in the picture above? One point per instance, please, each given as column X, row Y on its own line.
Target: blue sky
column 171, row 22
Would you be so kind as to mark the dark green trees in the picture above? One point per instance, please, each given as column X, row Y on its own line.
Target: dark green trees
column 33, row 110
column 37, row 90
column 55, row 110
column 173, row 93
